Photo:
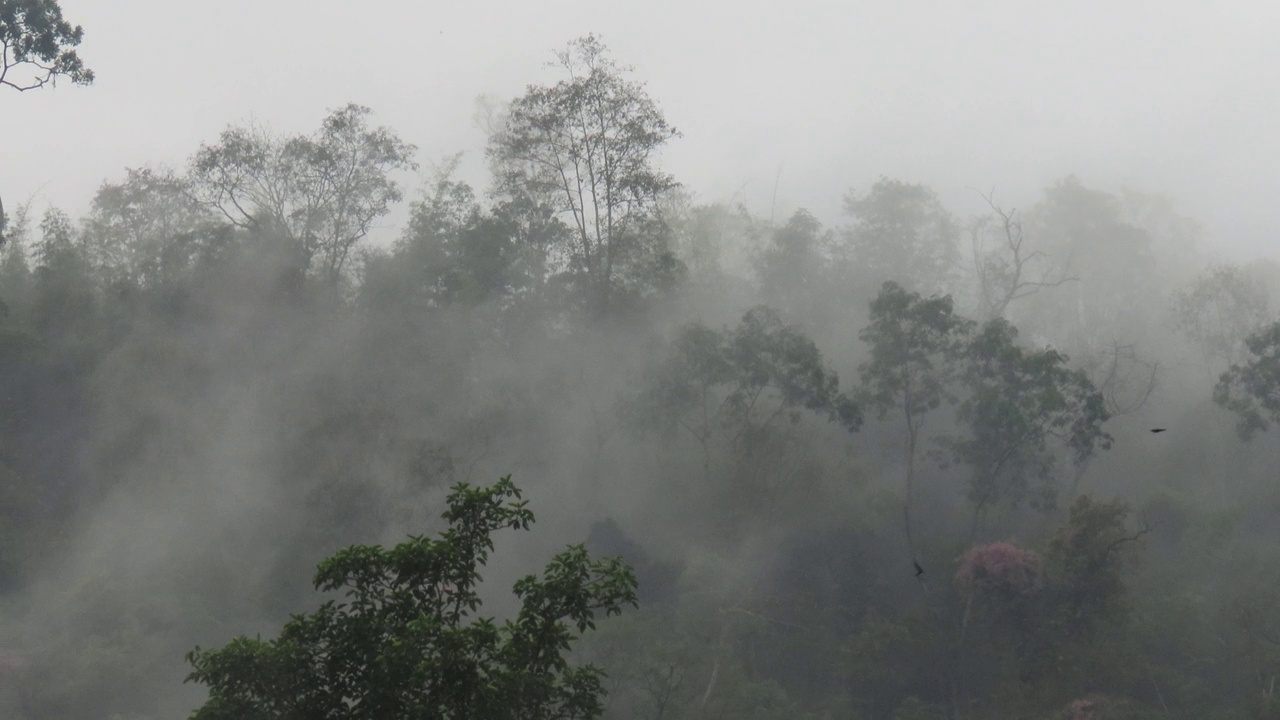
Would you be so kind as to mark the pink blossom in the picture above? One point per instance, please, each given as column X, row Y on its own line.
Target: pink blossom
column 1002, row 566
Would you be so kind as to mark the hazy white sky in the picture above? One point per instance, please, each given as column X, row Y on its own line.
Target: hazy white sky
column 1172, row 97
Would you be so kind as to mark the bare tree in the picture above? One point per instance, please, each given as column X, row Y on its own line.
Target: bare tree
column 1008, row 272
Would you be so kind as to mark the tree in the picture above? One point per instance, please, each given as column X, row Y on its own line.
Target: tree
column 1087, row 556
column 584, row 149
column 37, row 41
column 915, row 345
column 1223, row 306
column 1010, row 271
column 404, row 642
column 901, row 232
column 743, row 382
column 1252, row 390
column 453, row 251
column 793, row 267
column 320, row 192
column 1087, row 231
column 146, row 229
column 1017, row 402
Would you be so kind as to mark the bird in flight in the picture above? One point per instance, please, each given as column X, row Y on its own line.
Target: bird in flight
column 1158, row 430
column 919, row 570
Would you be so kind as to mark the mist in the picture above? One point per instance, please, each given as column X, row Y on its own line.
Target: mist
column 921, row 363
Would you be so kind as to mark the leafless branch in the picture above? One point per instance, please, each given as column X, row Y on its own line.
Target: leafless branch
column 1003, row 273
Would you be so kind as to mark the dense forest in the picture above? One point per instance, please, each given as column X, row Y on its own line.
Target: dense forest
column 910, row 465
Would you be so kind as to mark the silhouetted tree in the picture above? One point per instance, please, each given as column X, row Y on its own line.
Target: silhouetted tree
column 1019, row 404
column 39, row 45
column 915, row 344
column 902, row 232
column 320, row 192
column 585, row 149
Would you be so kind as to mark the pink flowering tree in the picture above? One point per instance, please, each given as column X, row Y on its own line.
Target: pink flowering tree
column 1000, row 570
column 1003, row 579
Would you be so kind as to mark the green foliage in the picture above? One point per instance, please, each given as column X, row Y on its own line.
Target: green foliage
column 768, row 354
column 902, row 233
column 742, row 380
column 453, row 252
column 915, row 344
column 1021, row 403
column 1087, row 558
column 147, row 230
column 794, row 269
column 1252, row 390
column 405, row 643
column 36, row 40
column 915, row 348
column 167, row 352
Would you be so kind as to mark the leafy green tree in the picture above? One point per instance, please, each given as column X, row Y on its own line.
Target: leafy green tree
column 404, row 642
column 584, row 149
column 39, row 44
column 740, row 382
column 771, row 356
column 321, row 192
column 65, row 297
column 1086, row 559
column 455, row 252
column 792, row 268
column 1020, row 407
column 915, row 344
column 1252, row 390
column 901, row 232
column 15, row 272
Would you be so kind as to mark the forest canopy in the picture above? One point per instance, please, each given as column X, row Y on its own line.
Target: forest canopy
column 904, row 463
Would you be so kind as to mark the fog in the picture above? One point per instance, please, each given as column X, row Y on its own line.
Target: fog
column 925, row 368
column 1176, row 99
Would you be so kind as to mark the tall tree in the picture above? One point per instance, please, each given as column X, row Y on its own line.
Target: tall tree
column 1088, row 232
column 404, row 643
column 38, row 46
column 793, row 268
column 901, row 232
column 321, row 192
column 915, row 344
column 1021, row 409
column 146, row 228
column 585, row 149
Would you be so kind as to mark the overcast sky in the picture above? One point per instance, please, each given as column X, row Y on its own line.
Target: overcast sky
column 1171, row 97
